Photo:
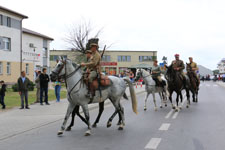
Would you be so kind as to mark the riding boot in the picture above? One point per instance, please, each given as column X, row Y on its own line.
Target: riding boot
column 89, row 89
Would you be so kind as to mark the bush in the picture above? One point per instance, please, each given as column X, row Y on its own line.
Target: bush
column 30, row 87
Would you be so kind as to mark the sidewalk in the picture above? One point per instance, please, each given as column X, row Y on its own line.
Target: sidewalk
column 16, row 121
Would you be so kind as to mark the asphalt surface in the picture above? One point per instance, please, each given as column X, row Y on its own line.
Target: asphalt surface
column 200, row 127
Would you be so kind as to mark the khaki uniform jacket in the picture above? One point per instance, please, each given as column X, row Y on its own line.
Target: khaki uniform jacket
column 178, row 64
column 94, row 62
column 194, row 65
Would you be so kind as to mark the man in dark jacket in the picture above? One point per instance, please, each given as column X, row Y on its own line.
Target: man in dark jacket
column 23, row 83
column 44, row 79
column 2, row 94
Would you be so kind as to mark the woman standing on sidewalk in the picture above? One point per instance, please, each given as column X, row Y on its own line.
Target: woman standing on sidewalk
column 57, row 89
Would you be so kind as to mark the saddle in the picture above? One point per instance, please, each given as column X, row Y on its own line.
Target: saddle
column 104, row 82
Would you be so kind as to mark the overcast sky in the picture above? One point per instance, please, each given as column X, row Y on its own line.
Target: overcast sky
column 189, row 27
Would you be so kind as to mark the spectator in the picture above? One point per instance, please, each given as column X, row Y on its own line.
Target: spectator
column 23, row 83
column 131, row 76
column 2, row 94
column 57, row 89
column 37, row 82
column 44, row 79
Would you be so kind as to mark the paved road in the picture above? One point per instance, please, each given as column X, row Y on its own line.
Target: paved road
column 201, row 127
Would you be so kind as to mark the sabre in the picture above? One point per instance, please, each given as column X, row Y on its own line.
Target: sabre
column 99, row 76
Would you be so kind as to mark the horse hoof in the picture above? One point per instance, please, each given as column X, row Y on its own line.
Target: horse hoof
column 161, row 107
column 187, row 106
column 156, row 109
column 145, row 109
column 60, row 133
column 120, row 128
column 109, row 124
column 87, row 133
column 165, row 105
column 174, row 107
column 119, row 123
column 68, row 129
column 94, row 125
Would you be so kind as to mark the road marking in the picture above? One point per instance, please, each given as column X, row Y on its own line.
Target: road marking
column 153, row 143
column 215, row 85
column 175, row 115
column 164, row 127
column 169, row 114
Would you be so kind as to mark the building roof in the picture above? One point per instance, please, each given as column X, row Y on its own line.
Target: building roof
column 36, row 34
column 12, row 12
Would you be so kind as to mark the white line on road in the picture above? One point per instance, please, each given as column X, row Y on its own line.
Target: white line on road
column 175, row 115
column 169, row 114
column 164, row 127
column 153, row 143
column 215, row 85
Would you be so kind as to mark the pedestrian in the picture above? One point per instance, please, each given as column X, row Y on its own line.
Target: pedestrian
column 2, row 94
column 23, row 83
column 44, row 79
column 37, row 82
column 131, row 76
column 57, row 89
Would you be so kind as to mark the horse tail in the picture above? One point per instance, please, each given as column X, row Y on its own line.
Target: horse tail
column 125, row 96
column 133, row 95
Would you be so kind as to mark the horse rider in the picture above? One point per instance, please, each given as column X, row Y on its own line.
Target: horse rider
column 94, row 67
column 178, row 65
column 156, row 71
column 194, row 68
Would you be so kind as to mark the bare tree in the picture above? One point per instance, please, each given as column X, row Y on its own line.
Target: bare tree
column 78, row 36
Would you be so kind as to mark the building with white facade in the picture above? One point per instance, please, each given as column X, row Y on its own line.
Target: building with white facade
column 221, row 66
column 20, row 49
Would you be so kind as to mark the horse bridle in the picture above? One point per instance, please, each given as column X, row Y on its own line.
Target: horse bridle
column 68, row 76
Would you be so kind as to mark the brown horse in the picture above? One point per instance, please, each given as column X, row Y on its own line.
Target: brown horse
column 194, row 83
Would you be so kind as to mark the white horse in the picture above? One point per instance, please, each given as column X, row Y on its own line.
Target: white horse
column 77, row 90
column 151, row 88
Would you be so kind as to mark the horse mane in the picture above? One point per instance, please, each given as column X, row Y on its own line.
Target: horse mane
column 144, row 71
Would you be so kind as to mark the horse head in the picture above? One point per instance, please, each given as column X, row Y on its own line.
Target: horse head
column 60, row 69
column 170, row 73
column 138, row 74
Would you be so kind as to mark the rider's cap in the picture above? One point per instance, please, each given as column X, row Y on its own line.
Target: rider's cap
column 88, row 51
column 93, row 44
column 176, row 55
column 190, row 58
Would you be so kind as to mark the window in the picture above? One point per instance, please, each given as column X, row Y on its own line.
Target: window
column 6, row 44
column 1, row 20
column 8, row 22
column 8, row 68
column 27, row 69
column 145, row 58
column 124, row 58
column 106, row 58
column 1, row 68
column 44, row 51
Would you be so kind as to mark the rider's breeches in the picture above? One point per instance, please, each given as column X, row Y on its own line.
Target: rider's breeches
column 92, row 76
column 159, row 78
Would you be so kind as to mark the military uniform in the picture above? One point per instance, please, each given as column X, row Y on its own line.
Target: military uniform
column 93, row 65
column 194, row 65
column 178, row 64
